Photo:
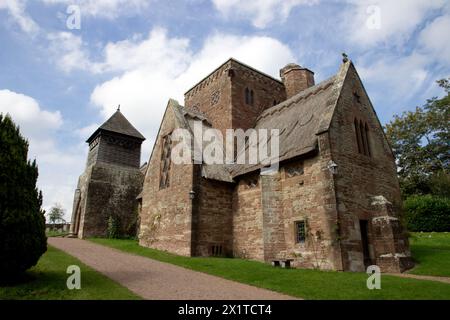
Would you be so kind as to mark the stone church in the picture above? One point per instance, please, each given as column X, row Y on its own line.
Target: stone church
column 334, row 202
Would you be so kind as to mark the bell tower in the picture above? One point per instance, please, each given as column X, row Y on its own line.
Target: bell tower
column 105, row 198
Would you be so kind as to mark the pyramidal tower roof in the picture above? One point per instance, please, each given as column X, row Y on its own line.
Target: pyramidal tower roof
column 118, row 124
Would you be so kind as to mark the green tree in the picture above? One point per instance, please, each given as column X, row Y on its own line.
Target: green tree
column 420, row 140
column 22, row 222
column 56, row 214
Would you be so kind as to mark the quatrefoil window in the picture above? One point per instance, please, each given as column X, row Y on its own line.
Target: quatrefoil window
column 215, row 97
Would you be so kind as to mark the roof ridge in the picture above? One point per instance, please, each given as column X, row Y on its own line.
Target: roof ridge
column 302, row 95
column 231, row 59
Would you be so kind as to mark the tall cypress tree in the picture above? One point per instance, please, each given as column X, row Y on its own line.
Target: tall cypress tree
column 22, row 222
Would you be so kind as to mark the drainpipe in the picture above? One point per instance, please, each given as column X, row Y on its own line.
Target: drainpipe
column 333, row 169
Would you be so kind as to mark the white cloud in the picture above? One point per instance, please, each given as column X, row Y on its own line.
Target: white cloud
column 69, row 52
column 160, row 67
column 156, row 52
column 27, row 113
column 16, row 10
column 260, row 12
column 435, row 39
column 109, row 9
column 58, row 168
column 402, row 77
column 85, row 132
column 398, row 20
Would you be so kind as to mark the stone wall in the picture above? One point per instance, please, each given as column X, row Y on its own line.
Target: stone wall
column 310, row 197
column 212, row 225
column 108, row 191
column 212, row 96
column 273, row 216
column 362, row 177
column 166, row 214
column 266, row 92
column 248, row 219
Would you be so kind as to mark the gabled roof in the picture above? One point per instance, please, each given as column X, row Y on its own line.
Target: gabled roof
column 118, row 124
column 185, row 117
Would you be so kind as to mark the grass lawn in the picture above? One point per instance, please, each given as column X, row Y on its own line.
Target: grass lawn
column 47, row 280
column 308, row 284
column 431, row 251
column 54, row 233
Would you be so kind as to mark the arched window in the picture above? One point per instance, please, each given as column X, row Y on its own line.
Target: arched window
column 362, row 137
column 166, row 151
column 367, row 139
column 249, row 96
column 358, row 136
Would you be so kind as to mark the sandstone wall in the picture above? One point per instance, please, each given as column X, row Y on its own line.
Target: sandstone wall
column 266, row 92
column 212, row 96
column 361, row 177
column 166, row 215
column 248, row 240
column 212, row 224
column 310, row 197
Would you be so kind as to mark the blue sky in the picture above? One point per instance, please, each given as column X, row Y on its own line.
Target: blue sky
column 59, row 84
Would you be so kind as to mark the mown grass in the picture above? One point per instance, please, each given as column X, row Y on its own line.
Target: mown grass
column 47, row 281
column 55, row 233
column 307, row 284
column 431, row 252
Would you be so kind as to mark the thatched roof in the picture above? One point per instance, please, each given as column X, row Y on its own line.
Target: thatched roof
column 299, row 120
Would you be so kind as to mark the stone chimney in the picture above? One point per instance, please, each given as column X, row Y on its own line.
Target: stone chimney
column 296, row 79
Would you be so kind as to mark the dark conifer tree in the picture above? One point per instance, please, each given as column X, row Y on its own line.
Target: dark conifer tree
column 22, row 222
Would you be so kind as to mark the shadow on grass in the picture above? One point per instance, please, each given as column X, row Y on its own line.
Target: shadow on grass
column 16, row 280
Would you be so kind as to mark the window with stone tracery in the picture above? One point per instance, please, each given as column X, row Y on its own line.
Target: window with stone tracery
column 362, row 137
column 164, row 181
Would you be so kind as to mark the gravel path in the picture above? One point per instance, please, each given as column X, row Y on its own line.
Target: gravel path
column 153, row 279
column 421, row 277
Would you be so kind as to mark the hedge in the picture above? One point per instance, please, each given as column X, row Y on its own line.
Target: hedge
column 427, row 213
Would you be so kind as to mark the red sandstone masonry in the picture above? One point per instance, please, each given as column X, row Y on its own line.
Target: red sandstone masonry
column 213, row 223
column 166, row 215
column 361, row 178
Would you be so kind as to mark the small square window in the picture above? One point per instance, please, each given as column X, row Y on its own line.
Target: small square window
column 300, row 232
